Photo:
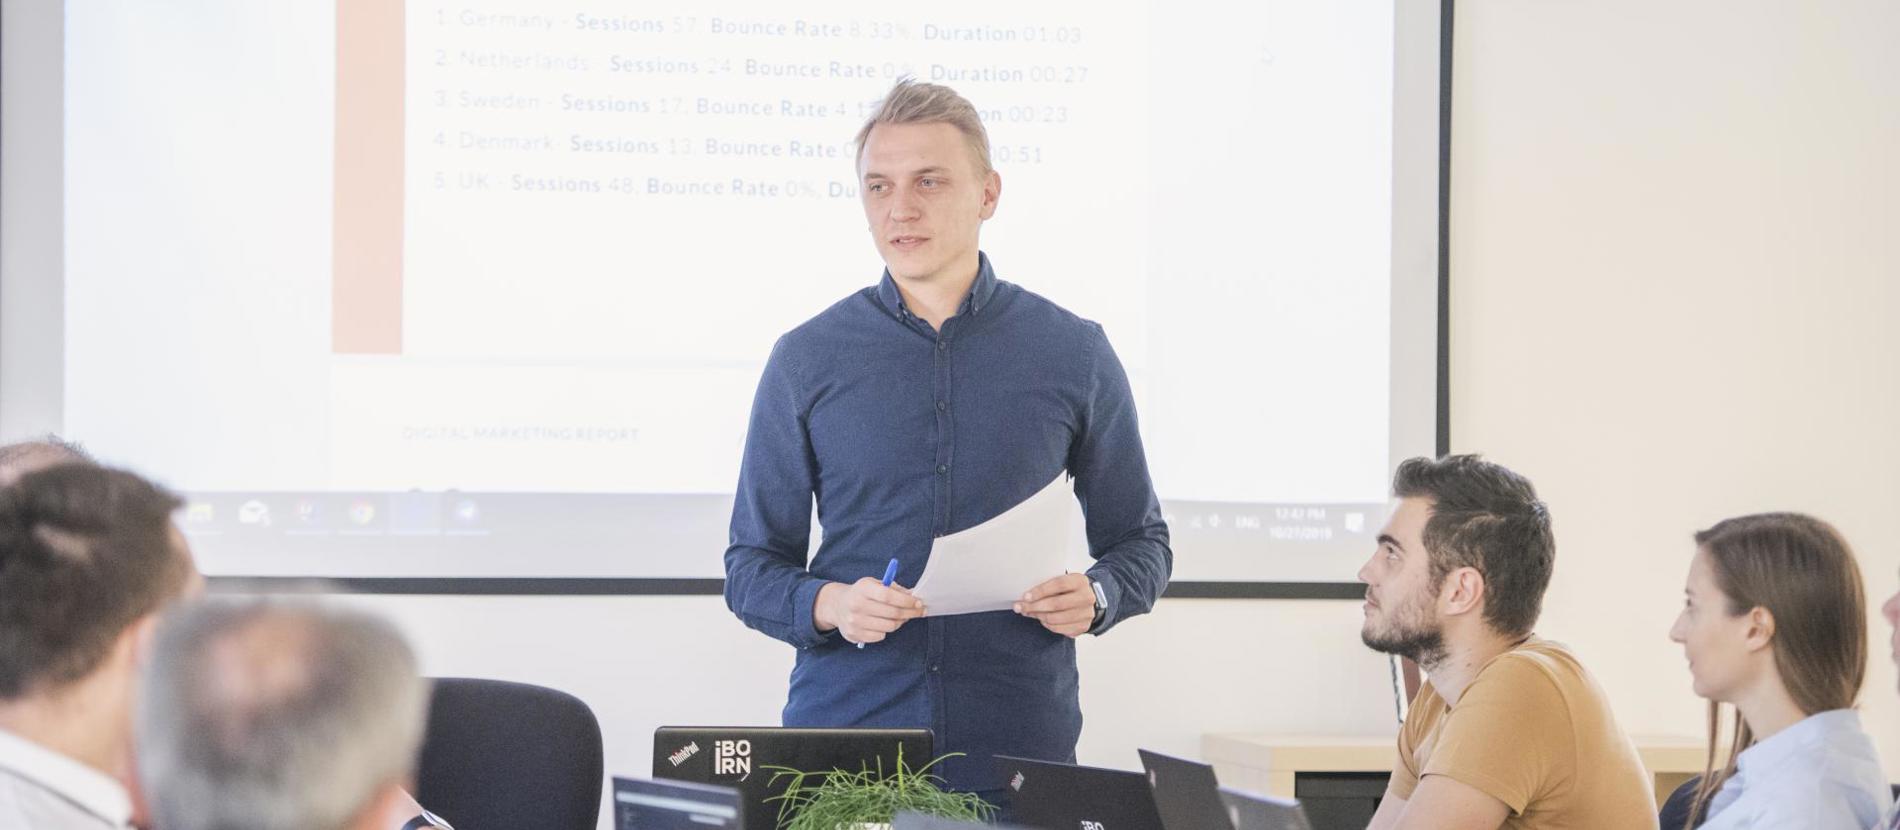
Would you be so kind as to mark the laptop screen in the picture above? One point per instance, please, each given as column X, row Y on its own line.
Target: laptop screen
column 640, row 804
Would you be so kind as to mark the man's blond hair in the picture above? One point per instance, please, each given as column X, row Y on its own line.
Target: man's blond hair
column 913, row 102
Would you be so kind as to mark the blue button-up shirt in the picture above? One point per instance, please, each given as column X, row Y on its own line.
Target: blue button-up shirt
column 1819, row 774
column 903, row 434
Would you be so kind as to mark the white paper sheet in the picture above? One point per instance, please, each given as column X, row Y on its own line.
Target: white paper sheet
column 988, row 567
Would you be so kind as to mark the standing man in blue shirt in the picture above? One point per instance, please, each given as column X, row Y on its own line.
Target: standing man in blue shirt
column 923, row 405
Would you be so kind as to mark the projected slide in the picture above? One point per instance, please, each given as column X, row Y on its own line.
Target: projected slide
column 484, row 288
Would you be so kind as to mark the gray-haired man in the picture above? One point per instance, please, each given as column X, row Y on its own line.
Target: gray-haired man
column 279, row 715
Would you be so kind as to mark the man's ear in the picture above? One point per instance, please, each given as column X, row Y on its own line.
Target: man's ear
column 992, row 193
column 1461, row 593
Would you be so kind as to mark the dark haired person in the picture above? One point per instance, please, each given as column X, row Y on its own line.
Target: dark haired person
column 70, row 531
column 1774, row 623
column 88, row 559
column 25, row 457
column 1509, row 731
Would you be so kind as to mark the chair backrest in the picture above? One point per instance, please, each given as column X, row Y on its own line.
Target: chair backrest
column 1675, row 809
column 502, row 756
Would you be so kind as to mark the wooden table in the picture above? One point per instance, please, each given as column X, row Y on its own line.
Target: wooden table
column 1270, row 764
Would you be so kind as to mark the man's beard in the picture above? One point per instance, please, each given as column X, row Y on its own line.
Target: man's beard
column 1423, row 644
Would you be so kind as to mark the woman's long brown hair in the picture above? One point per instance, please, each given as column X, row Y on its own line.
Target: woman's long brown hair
column 1802, row 572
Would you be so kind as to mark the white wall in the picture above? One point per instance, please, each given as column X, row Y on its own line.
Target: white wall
column 1675, row 292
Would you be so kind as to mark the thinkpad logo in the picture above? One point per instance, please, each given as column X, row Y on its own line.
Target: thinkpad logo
column 1016, row 783
column 684, row 753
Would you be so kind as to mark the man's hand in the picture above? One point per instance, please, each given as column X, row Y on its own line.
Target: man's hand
column 1065, row 605
column 865, row 611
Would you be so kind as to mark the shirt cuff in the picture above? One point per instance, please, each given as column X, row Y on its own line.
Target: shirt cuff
column 1112, row 590
column 804, row 606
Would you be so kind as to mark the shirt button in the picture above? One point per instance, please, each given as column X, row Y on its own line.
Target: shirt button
column 942, row 468
column 943, row 344
column 935, row 667
column 942, row 405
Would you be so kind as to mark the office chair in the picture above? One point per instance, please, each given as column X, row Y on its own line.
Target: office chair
column 503, row 756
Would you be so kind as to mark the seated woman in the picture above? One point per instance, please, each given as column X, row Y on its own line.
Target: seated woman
column 1775, row 626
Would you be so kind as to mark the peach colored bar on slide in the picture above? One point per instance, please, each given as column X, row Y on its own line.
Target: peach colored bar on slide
column 366, row 286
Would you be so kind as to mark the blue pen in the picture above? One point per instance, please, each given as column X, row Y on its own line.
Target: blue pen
column 890, row 573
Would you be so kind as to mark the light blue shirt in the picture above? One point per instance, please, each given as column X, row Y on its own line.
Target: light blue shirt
column 1819, row 774
column 44, row 790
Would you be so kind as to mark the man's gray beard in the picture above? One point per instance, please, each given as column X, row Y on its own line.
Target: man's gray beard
column 1423, row 646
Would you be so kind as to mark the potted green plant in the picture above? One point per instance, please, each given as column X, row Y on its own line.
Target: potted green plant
column 842, row 800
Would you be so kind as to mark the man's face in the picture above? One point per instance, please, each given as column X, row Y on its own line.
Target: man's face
column 1401, row 601
column 925, row 197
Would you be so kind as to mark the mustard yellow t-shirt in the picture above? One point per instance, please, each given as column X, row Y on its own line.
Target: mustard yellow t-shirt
column 1534, row 731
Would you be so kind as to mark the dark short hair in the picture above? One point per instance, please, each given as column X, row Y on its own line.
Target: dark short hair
column 18, row 459
column 85, row 551
column 1488, row 518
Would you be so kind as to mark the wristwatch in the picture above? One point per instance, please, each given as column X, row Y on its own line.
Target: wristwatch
column 427, row 819
column 1101, row 603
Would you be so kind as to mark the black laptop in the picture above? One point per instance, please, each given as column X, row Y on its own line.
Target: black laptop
column 738, row 757
column 640, row 804
column 1052, row 796
column 1252, row 811
column 1189, row 797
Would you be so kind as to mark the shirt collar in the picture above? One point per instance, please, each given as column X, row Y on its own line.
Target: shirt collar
column 979, row 296
column 88, row 788
column 1819, row 730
